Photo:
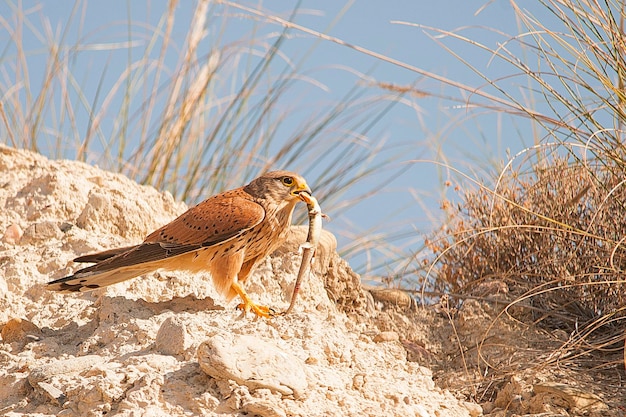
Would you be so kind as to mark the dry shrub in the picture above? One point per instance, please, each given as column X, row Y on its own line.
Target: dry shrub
column 552, row 236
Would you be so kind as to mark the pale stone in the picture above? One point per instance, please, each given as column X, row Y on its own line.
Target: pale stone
column 253, row 362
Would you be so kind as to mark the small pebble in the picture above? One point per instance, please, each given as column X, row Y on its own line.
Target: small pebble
column 386, row 337
column 13, row 234
column 18, row 330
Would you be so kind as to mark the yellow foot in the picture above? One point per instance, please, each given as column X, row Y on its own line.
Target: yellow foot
column 259, row 310
column 248, row 304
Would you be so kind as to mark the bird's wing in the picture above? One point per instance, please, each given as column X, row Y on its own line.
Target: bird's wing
column 135, row 261
column 214, row 221
column 101, row 256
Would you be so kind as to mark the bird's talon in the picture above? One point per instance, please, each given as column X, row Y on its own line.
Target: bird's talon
column 259, row 310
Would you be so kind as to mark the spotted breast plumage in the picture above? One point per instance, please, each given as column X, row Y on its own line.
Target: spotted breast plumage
column 226, row 235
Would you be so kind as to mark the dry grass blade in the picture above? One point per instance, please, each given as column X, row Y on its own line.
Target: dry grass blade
column 213, row 120
column 548, row 236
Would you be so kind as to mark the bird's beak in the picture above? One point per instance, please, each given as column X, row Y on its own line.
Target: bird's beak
column 301, row 187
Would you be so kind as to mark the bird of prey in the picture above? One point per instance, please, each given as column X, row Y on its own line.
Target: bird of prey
column 225, row 235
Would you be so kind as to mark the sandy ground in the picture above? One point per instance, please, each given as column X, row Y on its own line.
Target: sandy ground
column 166, row 344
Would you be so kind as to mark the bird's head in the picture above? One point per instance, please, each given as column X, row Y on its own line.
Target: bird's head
column 279, row 185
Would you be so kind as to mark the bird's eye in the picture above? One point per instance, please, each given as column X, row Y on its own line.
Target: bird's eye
column 288, row 181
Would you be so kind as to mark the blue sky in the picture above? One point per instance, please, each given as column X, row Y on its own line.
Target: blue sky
column 422, row 128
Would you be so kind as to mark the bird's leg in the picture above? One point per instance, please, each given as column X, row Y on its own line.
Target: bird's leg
column 248, row 304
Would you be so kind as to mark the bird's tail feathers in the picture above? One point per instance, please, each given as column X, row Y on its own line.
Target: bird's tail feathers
column 91, row 280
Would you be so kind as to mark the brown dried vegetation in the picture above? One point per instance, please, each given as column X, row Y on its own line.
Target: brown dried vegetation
column 544, row 250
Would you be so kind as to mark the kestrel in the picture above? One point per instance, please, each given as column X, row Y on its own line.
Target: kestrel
column 226, row 235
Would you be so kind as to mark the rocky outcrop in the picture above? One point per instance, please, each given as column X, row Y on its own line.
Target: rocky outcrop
column 166, row 344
